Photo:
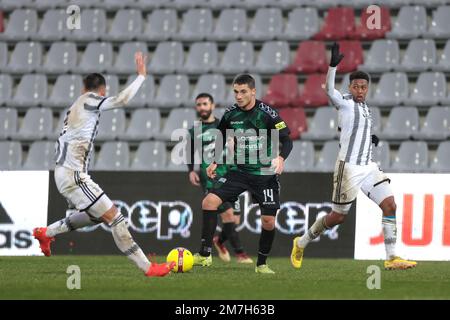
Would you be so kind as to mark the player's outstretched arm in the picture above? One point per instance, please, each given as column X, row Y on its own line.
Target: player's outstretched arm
column 334, row 95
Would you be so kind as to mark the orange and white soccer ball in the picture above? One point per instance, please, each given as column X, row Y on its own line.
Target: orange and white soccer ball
column 184, row 261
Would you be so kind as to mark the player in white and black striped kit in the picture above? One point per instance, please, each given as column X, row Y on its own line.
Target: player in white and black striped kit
column 73, row 150
column 355, row 169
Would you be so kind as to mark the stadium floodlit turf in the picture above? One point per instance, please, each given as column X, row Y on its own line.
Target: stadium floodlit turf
column 114, row 277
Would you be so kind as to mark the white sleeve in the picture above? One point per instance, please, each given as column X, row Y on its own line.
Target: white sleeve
column 123, row 97
column 335, row 96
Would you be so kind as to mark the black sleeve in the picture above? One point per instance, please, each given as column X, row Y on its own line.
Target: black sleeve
column 190, row 163
column 286, row 146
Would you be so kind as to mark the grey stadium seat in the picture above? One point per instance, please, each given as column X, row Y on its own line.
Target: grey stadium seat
column 25, row 58
column 150, row 4
column 49, row 4
column 37, row 124
column 6, row 85
column 97, row 57
column 167, row 58
column 10, row 155
column 66, row 90
column 94, row 26
column 402, row 123
column 302, row 24
column 419, row 56
column 113, row 156
column 411, row 23
column 186, row 4
column 381, row 155
column 232, row 23
column 214, row 84
column 327, row 158
column 273, row 57
column 112, row 124
column 61, row 58
column 8, row 123
column 436, row 125
column 125, row 59
column 444, row 60
column 178, row 119
column 14, row 4
column 173, row 91
column 293, row 4
column 31, row 91
column 440, row 162
column 267, row 25
column 112, row 5
column 126, row 26
column 259, row 90
column 196, row 25
column 324, row 125
column 218, row 112
column 144, row 124
column 145, row 96
column 392, row 89
column 220, row 4
column 40, row 156
column 112, row 85
column 202, row 57
column 376, row 120
column 53, row 26
column 255, row 4
column 239, row 56
column 161, row 25
column 430, row 89
column 440, row 25
column 412, row 157
column 22, row 25
column 150, row 156
column 384, row 55
column 301, row 157
column 3, row 55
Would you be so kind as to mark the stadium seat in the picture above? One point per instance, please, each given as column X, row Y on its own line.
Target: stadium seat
column 392, row 89
column 218, row 112
column 97, row 57
column 125, row 63
column 167, row 58
column 181, row 5
column 65, row 91
column 444, row 60
column 83, row 4
column 239, row 56
column 430, row 89
column 37, row 124
column 8, row 123
column 440, row 24
column 3, row 55
column 9, row 5
column 402, row 123
column 381, row 155
column 440, row 162
column 436, row 125
column 53, row 26
column 282, row 90
column 146, row 93
column 161, row 25
column 259, row 90
column 301, row 157
column 113, row 5
column 295, row 119
column 419, row 56
column 362, row 31
column 22, row 25
column 273, row 57
column 61, row 58
column 267, row 25
column 6, row 88
column 256, row 4
column 231, row 24
column 58, row 127
column 40, row 156
column 10, row 155
column 150, row 156
column 327, row 157
column 302, row 24
column 376, row 120
column 25, row 57
column 173, row 91
column 196, row 26
column 178, row 119
column 126, row 26
column 49, row 4
column 214, row 84
column 313, row 93
column 151, row 4
column 291, row 4
column 94, row 26
column 323, row 125
column 112, row 84
column 383, row 56
column 353, row 56
column 339, row 24
column 412, row 157
column 411, row 23
column 310, row 57
column 202, row 57
column 144, row 124
column 31, row 92
column 112, row 125
column 113, row 156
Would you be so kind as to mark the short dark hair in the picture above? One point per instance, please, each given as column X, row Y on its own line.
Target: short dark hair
column 359, row 75
column 94, row 81
column 205, row 95
column 245, row 79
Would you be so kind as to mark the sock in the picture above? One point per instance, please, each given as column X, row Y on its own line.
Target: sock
column 390, row 235
column 223, row 237
column 235, row 240
column 75, row 221
column 316, row 229
column 208, row 229
column 124, row 241
column 265, row 244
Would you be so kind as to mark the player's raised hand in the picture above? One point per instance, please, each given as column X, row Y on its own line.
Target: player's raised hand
column 278, row 165
column 141, row 63
column 336, row 56
column 194, row 178
column 211, row 170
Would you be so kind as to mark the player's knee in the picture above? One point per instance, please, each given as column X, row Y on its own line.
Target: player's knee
column 268, row 222
column 335, row 218
column 389, row 206
column 211, row 202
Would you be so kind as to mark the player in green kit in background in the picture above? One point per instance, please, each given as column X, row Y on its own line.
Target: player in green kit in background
column 229, row 212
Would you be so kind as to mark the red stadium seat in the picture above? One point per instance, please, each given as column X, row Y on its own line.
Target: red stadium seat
column 362, row 31
column 313, row 94
column 2, row 23
column 295, row 118
column 339, row 24
column 310, row 57
column 353, row 56
column 282, row 90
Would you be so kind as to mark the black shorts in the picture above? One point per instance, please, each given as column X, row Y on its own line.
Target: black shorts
column 265, row 190
column 236, row 206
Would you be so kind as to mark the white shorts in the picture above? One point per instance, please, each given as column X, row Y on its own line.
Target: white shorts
column 349, row 178
column 81, row 192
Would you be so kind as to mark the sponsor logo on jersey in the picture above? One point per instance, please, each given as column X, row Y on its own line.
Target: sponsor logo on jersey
column 280, row 125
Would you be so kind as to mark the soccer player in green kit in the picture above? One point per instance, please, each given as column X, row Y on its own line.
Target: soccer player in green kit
column 253, row 125
column 204, row 104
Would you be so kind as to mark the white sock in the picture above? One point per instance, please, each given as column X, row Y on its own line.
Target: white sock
column 57, row 227
column 76, row 220
column 316, row 229
column 390, row 235
column 124, row 241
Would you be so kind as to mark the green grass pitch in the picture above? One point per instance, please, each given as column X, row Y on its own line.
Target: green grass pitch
column 114, row 277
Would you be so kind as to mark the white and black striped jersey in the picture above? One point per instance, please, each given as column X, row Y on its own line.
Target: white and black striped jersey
column 75, row 143
column 355, row 123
